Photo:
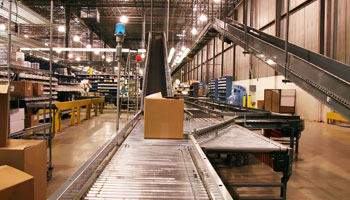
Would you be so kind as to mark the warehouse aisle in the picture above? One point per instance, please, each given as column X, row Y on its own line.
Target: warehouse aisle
column 76, row 144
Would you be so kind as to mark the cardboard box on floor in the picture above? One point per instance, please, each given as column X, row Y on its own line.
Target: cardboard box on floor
column 21, row 89
column 4, row 108
column 38, row 89
column 28, row 156
column 163, row 117
column 15, row 184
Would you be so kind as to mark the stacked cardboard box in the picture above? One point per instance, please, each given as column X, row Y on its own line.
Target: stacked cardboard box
column 21, row 89
column 4, row 107
column 163, row 117
column 16, row 120
column 15, row 184
column 28, row 156
column 38, row 89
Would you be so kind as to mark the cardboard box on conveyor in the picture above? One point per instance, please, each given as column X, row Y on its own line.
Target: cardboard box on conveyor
column 163, row 117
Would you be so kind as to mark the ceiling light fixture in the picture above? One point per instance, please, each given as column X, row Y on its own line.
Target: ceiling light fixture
column 194, row 31
column 2, row 27
column 97, row 52
column 103, row 56
column 88, row 46
column 61, row 29
column 270, row 62
column 109, row 60
column 46, row 44
column 77, row 59
column 70, row 55
column 76, row 38
column 203, row 18
column 124, row 19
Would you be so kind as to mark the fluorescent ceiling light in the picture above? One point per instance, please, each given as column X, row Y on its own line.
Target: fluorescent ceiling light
column 109, row 50
column 141, row 50
column 171, row 54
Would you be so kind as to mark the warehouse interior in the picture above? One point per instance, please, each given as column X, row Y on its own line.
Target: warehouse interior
column 174, row 99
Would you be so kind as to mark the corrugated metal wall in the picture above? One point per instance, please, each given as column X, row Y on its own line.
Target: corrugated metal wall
column 304, row 31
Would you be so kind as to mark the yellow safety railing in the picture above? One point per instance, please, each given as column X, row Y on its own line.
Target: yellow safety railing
column 76, row 106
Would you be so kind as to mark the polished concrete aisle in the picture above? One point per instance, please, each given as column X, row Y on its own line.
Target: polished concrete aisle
column 323, row 169
column 76, row 144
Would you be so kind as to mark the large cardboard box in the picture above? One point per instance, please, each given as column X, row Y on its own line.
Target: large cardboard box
column 4, row 112
column 15, row 184
column 163, row 117
column 30, row 157
column 31, row 120
column 21, row 89
column 38, row 89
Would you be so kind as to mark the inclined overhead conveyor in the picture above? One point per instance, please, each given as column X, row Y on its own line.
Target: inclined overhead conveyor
column 326, row 79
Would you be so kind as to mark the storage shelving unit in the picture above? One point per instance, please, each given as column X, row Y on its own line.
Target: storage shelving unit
column 213, row 89
column 224, row 88
column 194, row 89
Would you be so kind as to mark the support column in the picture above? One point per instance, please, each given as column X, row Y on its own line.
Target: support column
column 214, row 47
column 68, row 16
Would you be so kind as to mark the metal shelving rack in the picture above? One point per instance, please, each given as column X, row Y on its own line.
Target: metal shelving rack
column 15, row 69
column 213, row 89
column 224, row 88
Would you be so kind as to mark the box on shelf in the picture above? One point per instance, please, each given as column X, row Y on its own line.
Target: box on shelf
column 4, row 107
column 27, row 64
column 35, row 65
column 21, row 89
column 15, row 184
column 38, row 89
column 28, row 156
column 20, row 57
column 31, row 120
column 16, row 120
column 163, row 117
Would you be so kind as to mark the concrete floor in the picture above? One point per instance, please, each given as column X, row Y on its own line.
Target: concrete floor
column 323, row 168
column 76, row 144
column 322, row 171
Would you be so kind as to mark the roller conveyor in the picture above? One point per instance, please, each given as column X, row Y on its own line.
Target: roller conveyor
column 238, row 139
column 152, row 169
